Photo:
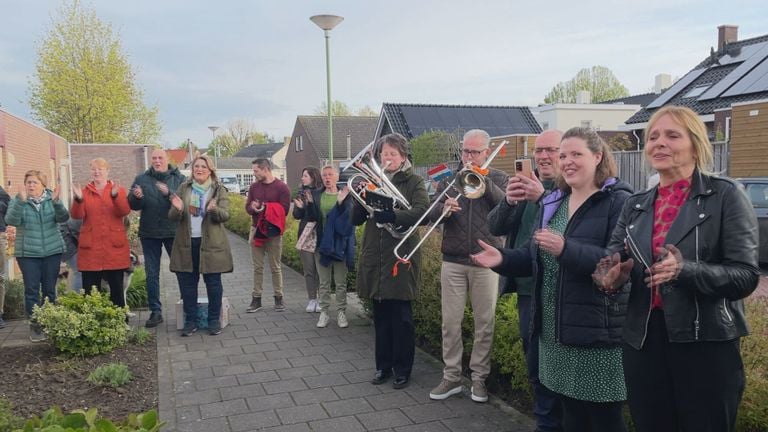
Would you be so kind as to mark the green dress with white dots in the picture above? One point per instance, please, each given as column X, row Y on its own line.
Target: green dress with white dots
column 583, row 373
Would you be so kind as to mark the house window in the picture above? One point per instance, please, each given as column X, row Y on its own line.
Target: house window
column 245, row 180
column 296, row 144
column 696, row 91
column 586, row 124
column 301, row 143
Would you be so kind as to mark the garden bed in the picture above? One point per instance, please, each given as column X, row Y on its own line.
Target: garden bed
column 34, row 378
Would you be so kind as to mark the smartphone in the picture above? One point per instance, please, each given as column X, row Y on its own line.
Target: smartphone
column 523, row 168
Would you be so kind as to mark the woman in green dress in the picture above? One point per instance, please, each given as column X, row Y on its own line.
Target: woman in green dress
column 579, row 327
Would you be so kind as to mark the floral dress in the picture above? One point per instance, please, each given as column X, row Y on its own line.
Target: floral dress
column 583, row 373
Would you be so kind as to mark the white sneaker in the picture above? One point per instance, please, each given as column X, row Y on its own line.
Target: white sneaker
column 342, row 320
column 323, row 321
column 311, row 306
column 317, row 306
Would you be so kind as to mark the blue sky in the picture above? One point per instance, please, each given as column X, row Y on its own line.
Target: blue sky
column 205, row 63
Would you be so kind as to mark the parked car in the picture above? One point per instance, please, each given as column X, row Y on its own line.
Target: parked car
column 231, row 183
column 757, row 191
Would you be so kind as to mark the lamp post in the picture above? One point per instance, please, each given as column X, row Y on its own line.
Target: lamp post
column 216, row 150
column 327, row 23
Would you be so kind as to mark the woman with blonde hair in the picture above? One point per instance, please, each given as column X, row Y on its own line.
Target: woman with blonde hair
column 103, row 250
column 200, row 207
column 36, row 212
column 688, row 249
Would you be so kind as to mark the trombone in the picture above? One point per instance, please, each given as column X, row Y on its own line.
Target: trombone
column 379, row 191
column 470, row 182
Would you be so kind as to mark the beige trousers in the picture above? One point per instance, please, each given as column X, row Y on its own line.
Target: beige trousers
column 273, row 248
column 482, row 285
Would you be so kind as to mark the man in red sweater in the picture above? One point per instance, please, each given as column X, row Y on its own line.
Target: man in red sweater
column 266, row 191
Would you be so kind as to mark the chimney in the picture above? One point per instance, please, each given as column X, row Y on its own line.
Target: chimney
column 726, row 34
column 662, row 82
column 583, row 97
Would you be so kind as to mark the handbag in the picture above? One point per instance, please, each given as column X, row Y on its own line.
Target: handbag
column 307, row 241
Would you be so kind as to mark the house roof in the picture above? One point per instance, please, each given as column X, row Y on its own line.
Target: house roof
column 737, row 73
column 235, row 163
column 177, row 156
column 361, row 131
column 254, row 151
column 411, row 120
column 641, row 99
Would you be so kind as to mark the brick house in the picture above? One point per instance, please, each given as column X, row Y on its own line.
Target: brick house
column 309, row 142
column 126, row 161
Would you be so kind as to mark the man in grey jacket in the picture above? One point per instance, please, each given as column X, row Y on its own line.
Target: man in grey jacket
column 150, row 193
column 465, row 223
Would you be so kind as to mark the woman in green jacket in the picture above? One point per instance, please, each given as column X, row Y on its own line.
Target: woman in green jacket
column 201, row 206
column 392, row 291
column 36, row 211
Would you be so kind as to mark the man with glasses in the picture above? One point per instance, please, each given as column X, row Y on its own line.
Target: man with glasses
column 516, row 217
column 465, row 223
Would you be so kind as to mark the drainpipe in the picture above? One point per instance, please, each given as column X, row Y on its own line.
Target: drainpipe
column 146, row 165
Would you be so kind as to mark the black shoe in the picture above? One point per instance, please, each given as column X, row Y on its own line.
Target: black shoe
column 189, row 329
column 279, row 305
column 381, row 376
column 2, row 323
column 214, row 328
column 155, row 318
column 400, row 382
column 255, row 305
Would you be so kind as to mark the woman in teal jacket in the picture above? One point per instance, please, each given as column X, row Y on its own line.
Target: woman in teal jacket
column 36, row 212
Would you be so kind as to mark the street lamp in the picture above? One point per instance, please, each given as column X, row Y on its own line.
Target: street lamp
column 216, row 150
column 327, row 23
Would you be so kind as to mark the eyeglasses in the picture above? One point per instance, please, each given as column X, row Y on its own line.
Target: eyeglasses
column 549, row 150
column 472, row 152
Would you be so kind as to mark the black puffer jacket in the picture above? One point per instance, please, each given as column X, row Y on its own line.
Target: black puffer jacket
column 717, row 234
column 154, row 206
column 462, row 230
column 584, row 315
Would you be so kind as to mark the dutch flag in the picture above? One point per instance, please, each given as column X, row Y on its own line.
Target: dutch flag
column 439, row 172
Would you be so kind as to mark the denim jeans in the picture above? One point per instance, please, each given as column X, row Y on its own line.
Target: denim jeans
column 188, row 283
column 153, row 251
column 39, row 273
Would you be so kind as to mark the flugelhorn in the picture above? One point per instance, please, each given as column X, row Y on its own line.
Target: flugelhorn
column 470, row 182
column 379, row 192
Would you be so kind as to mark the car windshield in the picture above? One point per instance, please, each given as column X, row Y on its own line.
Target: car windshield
column 228, row 180
column 758, row 194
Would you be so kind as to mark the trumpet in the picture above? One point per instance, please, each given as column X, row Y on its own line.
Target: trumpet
column 470, row 182
column 379, row 193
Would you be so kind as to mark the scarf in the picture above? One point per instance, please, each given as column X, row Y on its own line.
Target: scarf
column 197, row 197
column 37, row 202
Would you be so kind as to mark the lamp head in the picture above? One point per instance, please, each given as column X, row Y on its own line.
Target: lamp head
column 326, row 22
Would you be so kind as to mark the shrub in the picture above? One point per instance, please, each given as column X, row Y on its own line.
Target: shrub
column 83, row 325
column 507, row 355
column 8, row 420
column 111, row 375
column 14, row 299
column 54, row 420
column 136, row 296
column 139, row 336
column 239, row 220
column 753, row 411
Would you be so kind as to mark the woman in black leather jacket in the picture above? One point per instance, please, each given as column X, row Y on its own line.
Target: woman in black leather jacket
column 690, row 250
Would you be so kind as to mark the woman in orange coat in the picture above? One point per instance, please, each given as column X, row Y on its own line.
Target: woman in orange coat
column 103, row 251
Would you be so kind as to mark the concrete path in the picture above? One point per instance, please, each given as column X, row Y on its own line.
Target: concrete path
column 276, row 371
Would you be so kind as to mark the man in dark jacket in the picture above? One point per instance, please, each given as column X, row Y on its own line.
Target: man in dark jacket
column 465, row 223
column 150, row 193
column 4, row 199
column 515, row 217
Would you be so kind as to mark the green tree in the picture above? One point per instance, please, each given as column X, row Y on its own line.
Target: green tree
column 433, row 147
column 598, row 80
column 83, row 87
column 339, row 109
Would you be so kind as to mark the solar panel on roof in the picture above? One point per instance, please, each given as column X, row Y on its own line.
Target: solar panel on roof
column 737, row 74
column 742, row 54
column 676, row 88
column 750, row 83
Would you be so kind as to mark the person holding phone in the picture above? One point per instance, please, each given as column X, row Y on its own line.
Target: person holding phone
column 688, row 250
column 329, row 208
column 516, row 217
column 311, row 180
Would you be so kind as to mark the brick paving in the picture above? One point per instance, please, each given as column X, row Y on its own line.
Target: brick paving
column 276, row 371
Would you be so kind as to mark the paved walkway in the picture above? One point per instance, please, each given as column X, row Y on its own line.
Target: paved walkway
column 276, row 371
